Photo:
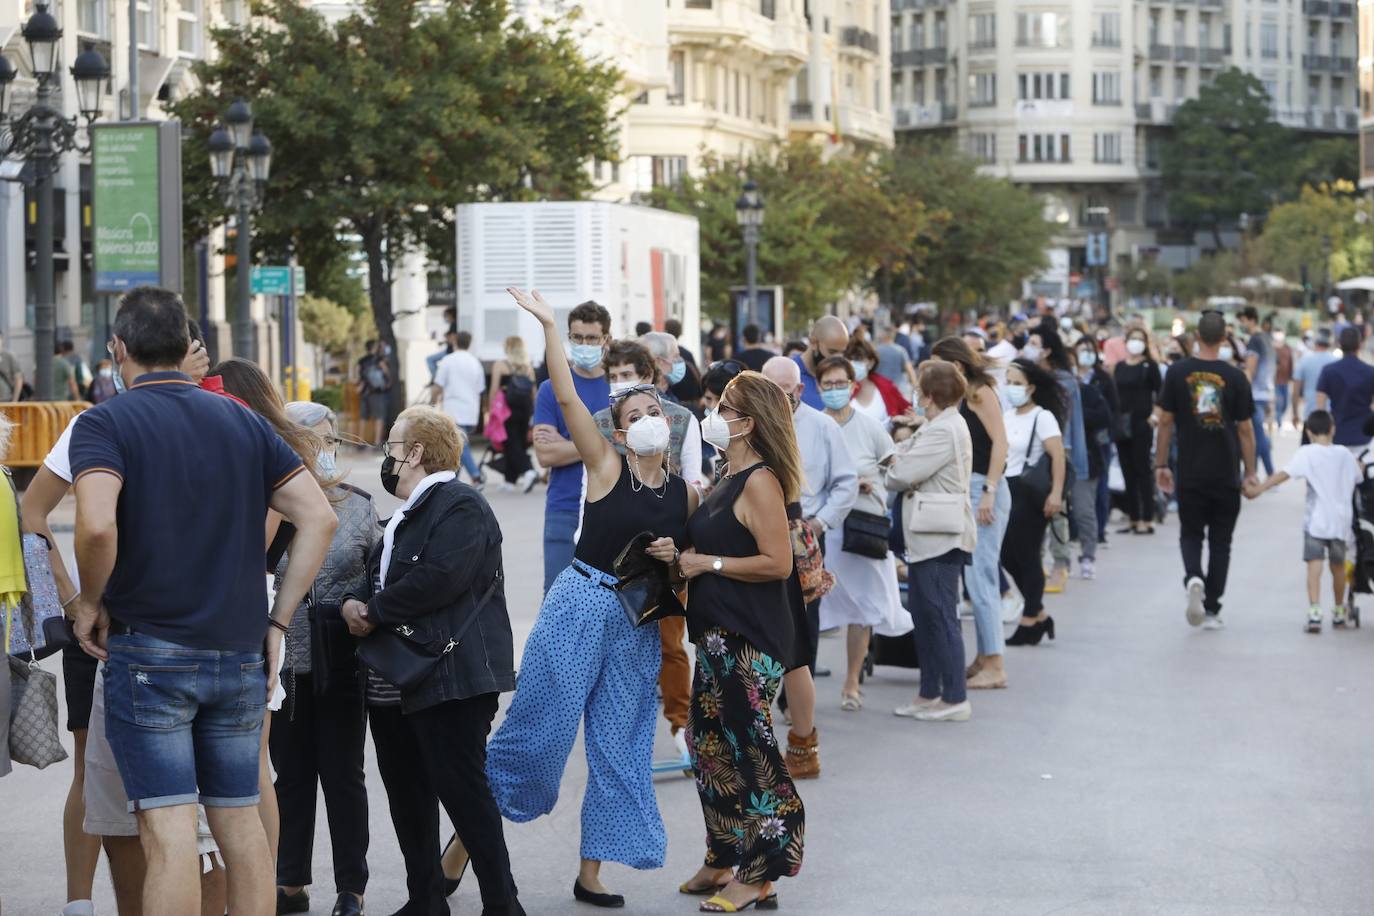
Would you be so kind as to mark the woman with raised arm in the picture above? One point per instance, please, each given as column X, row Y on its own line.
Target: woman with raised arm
column 738, row 616
column 583, row 657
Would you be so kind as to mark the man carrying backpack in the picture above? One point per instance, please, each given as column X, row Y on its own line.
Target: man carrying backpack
column 374, row 392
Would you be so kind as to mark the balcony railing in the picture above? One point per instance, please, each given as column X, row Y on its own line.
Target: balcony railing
column 912, row 57
column 925, row 116
column 1211, row 4
column 1161, row 52
column 1185, row 54
column 855, row 37
column 1212, row 57
column 1343, row 64
column 697, row 4
column 1106, row 41
column 937, row 56
column 1343, row 10
column 803, row 111
column 1316, row 62
column 1316, row 7
column 983, row 44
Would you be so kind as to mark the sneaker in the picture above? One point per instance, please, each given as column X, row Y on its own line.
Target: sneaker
column 1214, row 622
column 680, row 742
column 1196, row 613
column 1086, row 568
column 942, row 712
column 527, row 481
column 1338, row 616
column 966, row 610
column 1012, row 606
column 913, row 710
column 504, row 487
column 1314, row 619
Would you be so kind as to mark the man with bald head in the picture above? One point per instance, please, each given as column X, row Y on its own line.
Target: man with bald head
column 829, row 337
column 829, row 487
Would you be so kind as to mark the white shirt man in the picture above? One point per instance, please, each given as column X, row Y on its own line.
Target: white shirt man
column 463, row 380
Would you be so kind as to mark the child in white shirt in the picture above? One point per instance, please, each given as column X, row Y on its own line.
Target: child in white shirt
column 1331, row 473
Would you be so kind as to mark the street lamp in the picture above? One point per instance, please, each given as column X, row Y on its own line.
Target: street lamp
column 749, row 214
column 240, row 161
column 39, row 137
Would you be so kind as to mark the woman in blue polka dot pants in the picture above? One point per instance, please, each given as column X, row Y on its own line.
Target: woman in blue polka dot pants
column 584, row 660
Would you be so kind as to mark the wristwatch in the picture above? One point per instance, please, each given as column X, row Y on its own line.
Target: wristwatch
column 987, row 488
column 717, row 564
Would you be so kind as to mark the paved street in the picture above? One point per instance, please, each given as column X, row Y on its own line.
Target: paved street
column 1136, row 766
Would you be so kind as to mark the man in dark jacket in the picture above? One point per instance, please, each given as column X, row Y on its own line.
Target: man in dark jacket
column 439, row 575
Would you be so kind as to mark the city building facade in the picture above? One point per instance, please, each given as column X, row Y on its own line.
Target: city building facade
column 1366, row 78
column 1074, row 97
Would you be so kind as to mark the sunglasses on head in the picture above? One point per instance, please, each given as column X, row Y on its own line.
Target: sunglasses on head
column 643, row 388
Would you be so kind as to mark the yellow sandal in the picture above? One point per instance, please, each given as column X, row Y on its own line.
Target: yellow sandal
column 766, row 900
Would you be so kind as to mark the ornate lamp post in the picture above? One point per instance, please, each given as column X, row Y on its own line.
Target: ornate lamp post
column 39, row 137
column 241, row 160
column 749, row 214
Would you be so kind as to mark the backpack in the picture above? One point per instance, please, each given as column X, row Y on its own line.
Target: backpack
column 519, row 390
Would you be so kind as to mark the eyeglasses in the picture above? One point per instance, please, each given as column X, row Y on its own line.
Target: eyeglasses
column 332, row 442
column 836, row 386
column 637, row 389
column 386, row 446
column 587, row 339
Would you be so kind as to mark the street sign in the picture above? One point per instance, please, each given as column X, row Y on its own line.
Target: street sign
column 1097, row 249
column 136, row 205
column 276, row 281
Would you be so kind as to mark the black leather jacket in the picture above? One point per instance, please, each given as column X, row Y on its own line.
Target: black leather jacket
column 446, row 552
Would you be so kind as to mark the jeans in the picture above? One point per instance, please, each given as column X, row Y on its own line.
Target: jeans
column 981, row 578
column 317, row 744
column 559, row 527
column 1022, row 544
column 1280, row 403
column 1104, row 494
column 1262, row 450
column 184, row 724
column 1083, row 515
column 432, row 361
column 933, row 599
column 1211, row 514
column 469, row 463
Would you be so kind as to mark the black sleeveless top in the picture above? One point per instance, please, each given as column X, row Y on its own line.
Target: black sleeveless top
column 609, row 523
column 982, row 442
column 757, row 611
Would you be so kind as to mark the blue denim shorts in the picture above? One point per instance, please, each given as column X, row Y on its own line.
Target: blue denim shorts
column 184, row 724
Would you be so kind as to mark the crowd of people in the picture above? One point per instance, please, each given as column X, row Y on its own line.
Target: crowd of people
column 878, row 481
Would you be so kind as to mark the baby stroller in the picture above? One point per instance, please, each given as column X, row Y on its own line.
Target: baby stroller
column 1362, row 575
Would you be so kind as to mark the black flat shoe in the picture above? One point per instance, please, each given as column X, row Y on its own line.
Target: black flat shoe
column 299, row 902
column 1149, row 530
column 609, row 901
column 451, row 884
column 348, row 904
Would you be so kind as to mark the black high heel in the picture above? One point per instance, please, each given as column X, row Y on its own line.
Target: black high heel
column 451, row 884
column 1031, row 635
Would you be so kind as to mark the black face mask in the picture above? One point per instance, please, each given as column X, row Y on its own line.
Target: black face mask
column 1018, row 341
column 390, row 476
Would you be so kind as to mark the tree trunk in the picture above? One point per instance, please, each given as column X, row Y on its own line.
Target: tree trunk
column 378, row 280
column 1216, row 236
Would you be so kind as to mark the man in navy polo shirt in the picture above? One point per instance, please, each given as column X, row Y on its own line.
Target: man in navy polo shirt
column 172, row 486
column 589, row 330
column 829, row 337
column 1346, row 388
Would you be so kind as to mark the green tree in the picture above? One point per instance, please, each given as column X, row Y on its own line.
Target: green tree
column 331, row 326
column 383, row 122
column 1317, row 231
column 1324, row 161
column 983, row 235
column 1226, row 155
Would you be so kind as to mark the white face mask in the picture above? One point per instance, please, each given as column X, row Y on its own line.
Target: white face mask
column 1066, row 323
column 1226, row 354
column 860, row 371
column 1280, row 337
column 1086, row 359
column 1017, row 395
column 715, row 429
column 1135, row 346
column 647, row 436
column 1032, row 352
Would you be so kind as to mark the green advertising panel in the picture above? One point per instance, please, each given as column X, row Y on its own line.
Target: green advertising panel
column 136, row 205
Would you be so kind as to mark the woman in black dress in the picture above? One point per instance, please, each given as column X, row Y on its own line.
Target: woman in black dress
column 738, row 617
column 1138, row 381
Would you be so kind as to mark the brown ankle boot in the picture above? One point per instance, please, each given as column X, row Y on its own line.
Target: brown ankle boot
column 803, row 755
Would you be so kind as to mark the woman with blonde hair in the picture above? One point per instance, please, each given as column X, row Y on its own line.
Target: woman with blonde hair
column 514, row 378
column 739, row 561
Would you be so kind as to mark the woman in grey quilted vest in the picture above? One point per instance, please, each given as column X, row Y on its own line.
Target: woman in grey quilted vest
column 317, row 737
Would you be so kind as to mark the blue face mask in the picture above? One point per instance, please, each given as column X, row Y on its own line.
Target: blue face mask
column 328, row 464
column 835, row 398
column 586, row 356
column 118, row 381
column 678, row 372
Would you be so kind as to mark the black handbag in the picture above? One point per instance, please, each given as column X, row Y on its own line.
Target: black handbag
column 406, row 654
column 866, row 534
column 333, row 650
column 643, row 583
column 1038, row 478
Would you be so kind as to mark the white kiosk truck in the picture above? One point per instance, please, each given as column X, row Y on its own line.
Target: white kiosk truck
column 639, row 262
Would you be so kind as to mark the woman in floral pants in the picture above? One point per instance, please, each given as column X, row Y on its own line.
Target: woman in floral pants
column 739, row 562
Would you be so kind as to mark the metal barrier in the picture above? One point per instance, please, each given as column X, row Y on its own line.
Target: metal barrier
column 37, row 426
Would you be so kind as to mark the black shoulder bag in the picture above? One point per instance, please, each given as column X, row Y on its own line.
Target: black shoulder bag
column 1038, row 478
column 407, row 654
column 866, row 533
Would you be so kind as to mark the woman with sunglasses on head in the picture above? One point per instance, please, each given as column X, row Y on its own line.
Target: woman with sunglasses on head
column 740, row 619
column 584, row 659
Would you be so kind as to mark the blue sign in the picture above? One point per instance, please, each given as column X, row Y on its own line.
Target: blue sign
column 1097, row 249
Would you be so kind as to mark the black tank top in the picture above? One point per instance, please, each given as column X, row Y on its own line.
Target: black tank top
column 758, row 611
column 609, row 523
column 982, row 442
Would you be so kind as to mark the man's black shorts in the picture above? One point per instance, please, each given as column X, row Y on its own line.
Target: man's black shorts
column 78, row 676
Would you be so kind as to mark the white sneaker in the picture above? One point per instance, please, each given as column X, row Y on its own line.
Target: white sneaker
column 1196, row 612
column 1086, row 568
column 966, row 610
column 504, row 487
column 1214, row 622
column 1314, row 619
column 680, row 742
column 1338, row 616
column 527, row 480
column 1012, row 606
column 940, row 712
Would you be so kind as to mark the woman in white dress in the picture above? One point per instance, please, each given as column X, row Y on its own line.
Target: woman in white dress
column 865, row 593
